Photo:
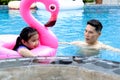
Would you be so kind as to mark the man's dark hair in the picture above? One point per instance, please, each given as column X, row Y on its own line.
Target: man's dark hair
column 95, row 23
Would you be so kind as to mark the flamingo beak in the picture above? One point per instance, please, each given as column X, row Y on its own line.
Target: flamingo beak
column 52, row 21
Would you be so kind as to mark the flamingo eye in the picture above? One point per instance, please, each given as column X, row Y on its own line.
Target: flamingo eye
column 52, row 7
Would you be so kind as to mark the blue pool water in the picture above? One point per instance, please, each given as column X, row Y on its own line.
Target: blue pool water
column 70, row 26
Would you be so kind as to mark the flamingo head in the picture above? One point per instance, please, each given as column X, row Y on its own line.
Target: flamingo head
column 53, row 7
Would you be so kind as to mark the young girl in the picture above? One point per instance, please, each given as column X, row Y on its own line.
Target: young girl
column 28, row 39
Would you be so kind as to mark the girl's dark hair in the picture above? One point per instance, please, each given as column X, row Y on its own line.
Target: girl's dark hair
column 95, row 23
column 25, row 34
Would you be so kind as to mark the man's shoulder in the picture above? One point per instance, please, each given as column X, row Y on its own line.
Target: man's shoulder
column 100, row 43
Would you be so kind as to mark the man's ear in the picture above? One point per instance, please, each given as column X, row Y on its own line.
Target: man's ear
column 99, row 33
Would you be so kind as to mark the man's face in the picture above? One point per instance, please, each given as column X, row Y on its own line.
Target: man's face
column 91, row 35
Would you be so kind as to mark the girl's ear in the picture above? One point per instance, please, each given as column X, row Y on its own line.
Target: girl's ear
column 23, row 41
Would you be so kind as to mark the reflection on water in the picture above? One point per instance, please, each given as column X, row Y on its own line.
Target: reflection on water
column 70, row 50
column 109, row 55
column 86, row 52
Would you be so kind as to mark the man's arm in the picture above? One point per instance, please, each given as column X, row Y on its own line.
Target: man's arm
column 76, row 43
column 107, row 47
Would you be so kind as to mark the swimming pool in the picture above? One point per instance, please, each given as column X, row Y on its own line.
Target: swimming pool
column 70, row 26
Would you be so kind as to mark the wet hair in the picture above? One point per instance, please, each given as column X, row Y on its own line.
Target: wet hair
column 95, row 23
column 25, row 34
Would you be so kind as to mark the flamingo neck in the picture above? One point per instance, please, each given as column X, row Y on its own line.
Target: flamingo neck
column 26, row 13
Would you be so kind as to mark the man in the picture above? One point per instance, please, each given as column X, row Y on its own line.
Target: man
column 91, row 45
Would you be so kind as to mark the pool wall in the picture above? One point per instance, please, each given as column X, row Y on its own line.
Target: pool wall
column 84, row 69
column 3, row 7
column 53, row 72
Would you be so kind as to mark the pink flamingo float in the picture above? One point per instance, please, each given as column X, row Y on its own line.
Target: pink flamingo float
column 48, row 41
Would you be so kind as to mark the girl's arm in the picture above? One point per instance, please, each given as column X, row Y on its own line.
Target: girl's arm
column 25, row 52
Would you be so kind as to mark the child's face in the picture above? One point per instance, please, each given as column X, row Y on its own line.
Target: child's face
column 33, row 42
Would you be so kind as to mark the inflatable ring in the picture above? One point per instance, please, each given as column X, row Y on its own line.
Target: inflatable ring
column 48, row 41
